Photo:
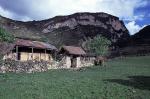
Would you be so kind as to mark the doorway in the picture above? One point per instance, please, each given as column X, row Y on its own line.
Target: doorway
column 73, row 62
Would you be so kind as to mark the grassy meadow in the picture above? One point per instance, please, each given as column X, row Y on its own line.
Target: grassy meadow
column 127, row 78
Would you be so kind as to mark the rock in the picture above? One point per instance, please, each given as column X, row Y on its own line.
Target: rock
column 70, row 30
column 76, row 28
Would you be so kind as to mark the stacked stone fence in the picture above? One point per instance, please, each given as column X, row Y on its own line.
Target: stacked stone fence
column 27, row 66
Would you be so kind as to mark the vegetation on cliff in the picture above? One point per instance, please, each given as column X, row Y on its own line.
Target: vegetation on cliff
column 5, row 36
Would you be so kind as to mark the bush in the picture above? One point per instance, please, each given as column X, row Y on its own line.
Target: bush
column 98, row 45
column 5, row 36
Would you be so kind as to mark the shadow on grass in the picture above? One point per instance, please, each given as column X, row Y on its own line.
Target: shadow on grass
column 140, row 82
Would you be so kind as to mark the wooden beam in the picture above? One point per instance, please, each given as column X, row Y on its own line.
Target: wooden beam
column 32, row 53
column 17, row 53
column 45, row 54
column 55, row 55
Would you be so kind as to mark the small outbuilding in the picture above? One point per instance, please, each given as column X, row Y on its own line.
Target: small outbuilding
column 72, row 56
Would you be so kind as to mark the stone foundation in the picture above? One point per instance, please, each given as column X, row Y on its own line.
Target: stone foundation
column 40, row 66
column 27, row 67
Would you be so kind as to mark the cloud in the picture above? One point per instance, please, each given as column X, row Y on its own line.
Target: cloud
column 135, row 17
column 5, row 12
column 42, row 9
column 133, row 27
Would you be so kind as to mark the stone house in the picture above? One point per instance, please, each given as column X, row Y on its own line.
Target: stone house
column 24, row 50
column 75, row 57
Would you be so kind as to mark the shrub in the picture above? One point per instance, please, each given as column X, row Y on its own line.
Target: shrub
column 5, row 36
column 98, row 45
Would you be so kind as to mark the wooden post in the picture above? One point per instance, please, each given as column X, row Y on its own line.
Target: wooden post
column 55, row 55
column 32, row 54
column 45, row 54
column 17, row 53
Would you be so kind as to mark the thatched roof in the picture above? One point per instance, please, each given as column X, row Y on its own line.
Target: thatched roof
column 7, row 47
column 35, row 44
column 72, row 50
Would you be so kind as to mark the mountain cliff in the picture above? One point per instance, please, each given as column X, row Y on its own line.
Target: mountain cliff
column 69, row 30
column 137, row 44
column 142, row 37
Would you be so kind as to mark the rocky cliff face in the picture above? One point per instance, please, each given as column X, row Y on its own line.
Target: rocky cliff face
column 70, row 30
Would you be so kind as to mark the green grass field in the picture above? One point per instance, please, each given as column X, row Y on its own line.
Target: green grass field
column 127, row 78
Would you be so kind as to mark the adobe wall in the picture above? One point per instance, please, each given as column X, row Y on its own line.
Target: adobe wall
column 24, row 56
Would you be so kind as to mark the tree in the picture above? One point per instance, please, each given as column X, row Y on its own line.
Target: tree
column 98, row 45
column 5, row 36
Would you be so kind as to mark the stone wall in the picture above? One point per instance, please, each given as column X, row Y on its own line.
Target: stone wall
column 80, row 62
column 27, row 67
column 18, row 66
column 41, row 66
column 87, row 61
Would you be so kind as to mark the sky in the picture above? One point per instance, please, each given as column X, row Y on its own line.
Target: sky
column 134, row 13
